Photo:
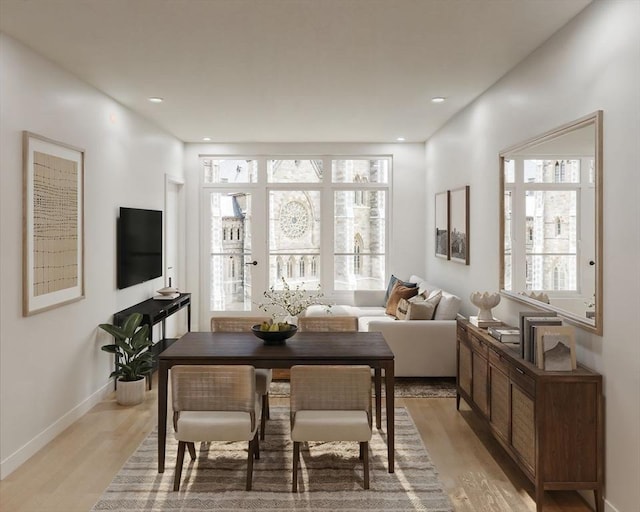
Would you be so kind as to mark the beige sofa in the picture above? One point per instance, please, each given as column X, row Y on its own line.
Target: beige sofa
column 422, row 348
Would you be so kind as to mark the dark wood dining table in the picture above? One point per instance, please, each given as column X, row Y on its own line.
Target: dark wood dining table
column 329, row 348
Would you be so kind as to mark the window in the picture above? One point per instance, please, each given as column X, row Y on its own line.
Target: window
column 543, row 196
column 346, row 209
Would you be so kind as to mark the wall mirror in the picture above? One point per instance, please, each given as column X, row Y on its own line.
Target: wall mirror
column 551, row 222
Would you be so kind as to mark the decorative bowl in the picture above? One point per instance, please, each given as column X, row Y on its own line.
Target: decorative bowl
column 274, row 337
column 485, row 301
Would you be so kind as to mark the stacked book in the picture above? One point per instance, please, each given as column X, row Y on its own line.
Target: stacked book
column 484, row 323
column 505, row 334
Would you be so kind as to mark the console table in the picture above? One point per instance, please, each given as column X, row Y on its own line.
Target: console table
column 156, row 311
column 550, row 423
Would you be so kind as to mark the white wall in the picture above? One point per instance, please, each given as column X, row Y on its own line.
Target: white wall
column 592, row 63
column 51, row 368
column 408, row 232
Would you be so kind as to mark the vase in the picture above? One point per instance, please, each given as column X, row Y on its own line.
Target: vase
column 130, row 392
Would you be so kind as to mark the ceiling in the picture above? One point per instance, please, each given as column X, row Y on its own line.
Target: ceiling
column 289, row 70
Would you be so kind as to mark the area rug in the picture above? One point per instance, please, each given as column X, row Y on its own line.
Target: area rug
column 405, row 387
column 330, row 478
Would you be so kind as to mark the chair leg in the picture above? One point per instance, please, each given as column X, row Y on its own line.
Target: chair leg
column 179, row 461
column 364, row 449
column 250, row 464
column 192, row 450
column 257, row 447
column 254, row 452
column 266, row 397
column 296, row 459
column 264, row 415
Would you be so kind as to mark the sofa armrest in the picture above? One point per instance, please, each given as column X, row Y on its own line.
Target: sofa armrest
column 421, row 347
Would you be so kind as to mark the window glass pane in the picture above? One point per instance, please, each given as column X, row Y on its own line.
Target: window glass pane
column 509, row 171
column 359, row 214
column 229, row 170
column 508, row 226
column 551, row 221
column 294, row 232
column 294, row 171
column 359, row 240
column 359, row 272
column 552, row 171
column 546, row 272
column 360, row 171
column 230, row 282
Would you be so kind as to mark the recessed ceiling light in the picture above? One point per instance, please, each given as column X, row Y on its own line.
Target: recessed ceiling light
column 206, row 139
column 401, row 139
column 155, row 99
column 437, row 99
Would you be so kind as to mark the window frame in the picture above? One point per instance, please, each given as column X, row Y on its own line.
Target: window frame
column 324, row 264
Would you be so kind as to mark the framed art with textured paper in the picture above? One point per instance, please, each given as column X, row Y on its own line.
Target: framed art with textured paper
column 442, row 225
column 459, row 225
column 53, row 224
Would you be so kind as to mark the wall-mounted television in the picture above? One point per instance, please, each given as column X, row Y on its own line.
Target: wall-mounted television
column 139, row 246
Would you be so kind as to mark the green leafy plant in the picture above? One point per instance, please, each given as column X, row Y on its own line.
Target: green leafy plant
column 131, row 348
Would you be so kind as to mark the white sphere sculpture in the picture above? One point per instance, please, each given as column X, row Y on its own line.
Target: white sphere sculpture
column 485, row 301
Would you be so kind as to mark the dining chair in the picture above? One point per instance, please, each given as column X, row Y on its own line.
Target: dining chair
column 214, row 403
column 330, row 403
column 264, row 376
column 328, row 323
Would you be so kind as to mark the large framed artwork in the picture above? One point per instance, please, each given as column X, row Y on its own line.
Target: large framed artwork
column 53, row 224
column 459, row 225
column 442, row 225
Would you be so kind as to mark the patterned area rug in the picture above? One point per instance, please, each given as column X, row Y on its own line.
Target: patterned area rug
column 330, row 477
column 405, row 387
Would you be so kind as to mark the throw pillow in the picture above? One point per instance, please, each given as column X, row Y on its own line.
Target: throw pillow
column 392, row 282
column 399, row 291
column 417, row 307
column 422, row 310
column 403, row 309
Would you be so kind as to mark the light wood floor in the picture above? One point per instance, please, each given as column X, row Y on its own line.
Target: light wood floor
column 71, row 472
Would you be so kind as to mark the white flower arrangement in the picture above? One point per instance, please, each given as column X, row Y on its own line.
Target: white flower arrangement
column 291, row 301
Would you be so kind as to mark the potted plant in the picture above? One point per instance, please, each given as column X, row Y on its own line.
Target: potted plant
column 133, row 358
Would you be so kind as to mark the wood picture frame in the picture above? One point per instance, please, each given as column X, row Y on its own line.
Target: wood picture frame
column 441, row 227
column 459, row 225
column 53, row 224
column 556, row 348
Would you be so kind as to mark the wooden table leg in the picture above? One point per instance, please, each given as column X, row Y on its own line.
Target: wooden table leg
column 389, row 381
column 163, row 374
column 378, row 393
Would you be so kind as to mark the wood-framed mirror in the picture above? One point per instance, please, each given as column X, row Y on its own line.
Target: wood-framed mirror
column 551, row 222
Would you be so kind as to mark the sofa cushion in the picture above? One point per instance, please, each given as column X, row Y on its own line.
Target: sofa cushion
column 364, row 321
column 399, row 291
column 324, row 310
column 448, row 307
column 392, row 282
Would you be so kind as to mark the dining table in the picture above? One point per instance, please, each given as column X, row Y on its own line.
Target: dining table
column 315, row 348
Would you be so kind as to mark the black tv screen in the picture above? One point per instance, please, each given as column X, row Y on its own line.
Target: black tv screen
column 139, row 246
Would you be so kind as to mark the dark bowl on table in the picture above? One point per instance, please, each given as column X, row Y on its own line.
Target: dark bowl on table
column 274, row 337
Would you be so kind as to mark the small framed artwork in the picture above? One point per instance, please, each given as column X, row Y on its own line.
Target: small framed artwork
column 459, row 225
column 556, row 348
column 442, row 225
column 53, row 224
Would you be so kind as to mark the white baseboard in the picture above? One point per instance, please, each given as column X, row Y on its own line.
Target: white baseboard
column 588, row 497
column 22, row 454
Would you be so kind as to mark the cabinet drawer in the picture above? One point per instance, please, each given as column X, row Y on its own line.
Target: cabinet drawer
column 479, row 346
column 498, row 361
column 527, row 383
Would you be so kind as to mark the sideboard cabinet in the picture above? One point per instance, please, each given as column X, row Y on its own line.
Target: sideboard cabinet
column 550, row 423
